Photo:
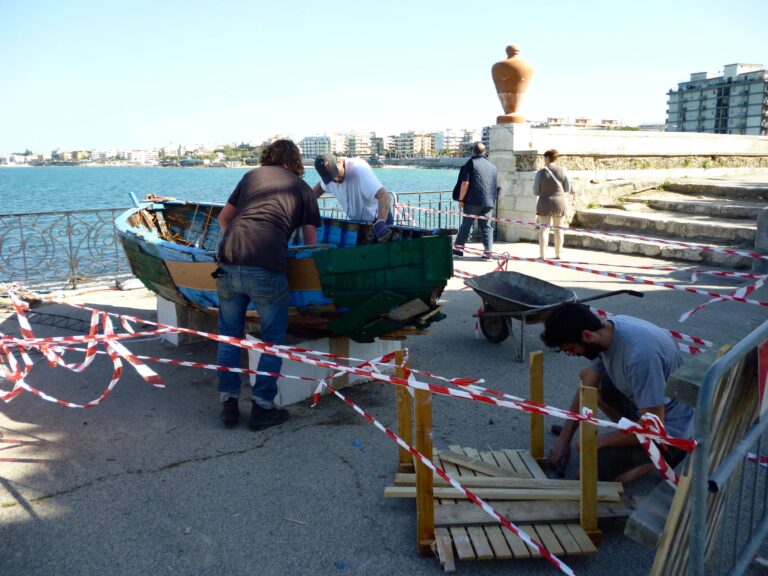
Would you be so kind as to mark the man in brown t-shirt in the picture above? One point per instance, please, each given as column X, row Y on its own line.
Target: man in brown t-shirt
column 268, row 204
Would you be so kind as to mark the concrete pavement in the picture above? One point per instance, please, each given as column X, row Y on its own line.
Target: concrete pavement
column 149, row 482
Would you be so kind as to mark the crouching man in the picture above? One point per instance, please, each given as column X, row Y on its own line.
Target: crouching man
column 631, row 360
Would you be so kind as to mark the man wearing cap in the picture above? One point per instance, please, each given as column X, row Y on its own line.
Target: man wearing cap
column 357, row 190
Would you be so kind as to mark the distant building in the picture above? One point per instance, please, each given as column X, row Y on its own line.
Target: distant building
column 358, row 144
column 734, row 103
column 313, row 146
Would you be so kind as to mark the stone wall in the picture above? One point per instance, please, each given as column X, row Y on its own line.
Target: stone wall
column 605, row 165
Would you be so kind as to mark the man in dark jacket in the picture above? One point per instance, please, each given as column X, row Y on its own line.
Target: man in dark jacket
column 477, row 196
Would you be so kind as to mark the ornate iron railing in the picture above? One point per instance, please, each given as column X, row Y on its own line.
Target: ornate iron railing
column 76, row 247
column 70, row 248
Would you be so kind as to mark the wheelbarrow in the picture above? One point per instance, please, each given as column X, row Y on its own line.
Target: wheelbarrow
column 529, row 300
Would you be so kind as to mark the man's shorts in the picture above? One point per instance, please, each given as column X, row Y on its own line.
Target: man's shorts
column 614, row 461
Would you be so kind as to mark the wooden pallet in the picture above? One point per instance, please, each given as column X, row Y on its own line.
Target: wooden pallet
column 490, row 542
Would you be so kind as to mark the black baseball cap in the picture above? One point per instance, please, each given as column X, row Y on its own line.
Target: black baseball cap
column 325, row 164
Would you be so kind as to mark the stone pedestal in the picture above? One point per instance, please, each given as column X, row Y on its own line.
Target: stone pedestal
column 290, row 391
column 509, row 144
column 177, row 315
column 761, row 242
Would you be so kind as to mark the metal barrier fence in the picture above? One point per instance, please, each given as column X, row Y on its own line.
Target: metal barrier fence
column 744, row 484
column 72, row 248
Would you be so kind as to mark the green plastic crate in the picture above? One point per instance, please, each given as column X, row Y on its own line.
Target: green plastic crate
column 415, row 268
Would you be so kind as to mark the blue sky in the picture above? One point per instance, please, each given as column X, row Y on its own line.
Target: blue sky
column 81, row 75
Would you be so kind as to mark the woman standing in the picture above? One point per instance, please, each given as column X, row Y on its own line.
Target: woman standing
column 551, row 184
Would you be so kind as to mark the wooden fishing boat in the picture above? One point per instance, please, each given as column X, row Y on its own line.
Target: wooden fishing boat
column 346, row 285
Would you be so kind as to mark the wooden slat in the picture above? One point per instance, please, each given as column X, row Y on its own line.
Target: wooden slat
column 588, row 466
column 404, row 406
column 532, row 465
column 480, row 543
column 462, row 544
column 517, row 463
column 516, row 545
column 528, row 529
column 407, row 479
column 536, row 394
column 567, row 541
column 581, row 538
column 498, row 542
column 465, row 513
column 475, row 464
column 444, row 549
column 548, row 539
column 534, row 494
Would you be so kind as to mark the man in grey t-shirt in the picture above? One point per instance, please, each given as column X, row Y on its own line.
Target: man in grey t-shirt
column 631, row 360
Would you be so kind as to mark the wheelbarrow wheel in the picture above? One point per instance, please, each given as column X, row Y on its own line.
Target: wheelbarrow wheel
column 494, row 328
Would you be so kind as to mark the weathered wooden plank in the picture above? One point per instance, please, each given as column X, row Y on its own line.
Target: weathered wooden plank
column 516, row 545
column 548, row 539
column 517, row 463
column 466, row 514
column 407, row 479
column 532, row 465
column 498, row 542
column 462, row 544
column 480, row 543
column 475, row 464
column 529, row 529
column 444, row 549
column 536, row 394
column 603, row 495
column 584, row 541
column 566, row 539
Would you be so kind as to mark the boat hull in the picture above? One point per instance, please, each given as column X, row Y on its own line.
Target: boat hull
column 344, row 286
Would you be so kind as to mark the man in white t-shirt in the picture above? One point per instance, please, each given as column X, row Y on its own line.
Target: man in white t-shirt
column 357, row 190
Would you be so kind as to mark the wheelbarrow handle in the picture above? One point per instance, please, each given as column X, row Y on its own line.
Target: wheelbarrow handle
column 614, row 293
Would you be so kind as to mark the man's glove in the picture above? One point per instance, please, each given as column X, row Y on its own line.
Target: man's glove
column 381, row 231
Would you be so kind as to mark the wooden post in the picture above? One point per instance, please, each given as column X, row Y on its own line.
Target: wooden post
column 588, row 467
column 339, row 345
column 425, row 500
column 404, row 417
column 537, row 395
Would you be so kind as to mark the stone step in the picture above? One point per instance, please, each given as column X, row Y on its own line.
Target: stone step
column 756, row 189
column 706, row 204
column 651, row 249
column 644, row 221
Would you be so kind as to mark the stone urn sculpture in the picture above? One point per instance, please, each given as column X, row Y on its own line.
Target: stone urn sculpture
column 511, row 77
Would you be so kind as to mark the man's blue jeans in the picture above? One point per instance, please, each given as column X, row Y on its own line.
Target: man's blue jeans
column 268, row 291
column 486, row 231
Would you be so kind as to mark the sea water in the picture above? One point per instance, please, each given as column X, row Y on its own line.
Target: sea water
column 58, row 188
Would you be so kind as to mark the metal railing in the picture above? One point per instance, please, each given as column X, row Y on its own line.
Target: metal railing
column 746, row 490
column 71, row 247
column 75, row 247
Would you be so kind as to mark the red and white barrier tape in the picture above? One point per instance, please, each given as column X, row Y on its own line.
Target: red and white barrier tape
column 699, row 342
column 703, row 247
column 559, row 564
column 652, row 422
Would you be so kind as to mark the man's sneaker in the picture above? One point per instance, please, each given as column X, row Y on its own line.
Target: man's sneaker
column 458, row 253
column 262, row 418
column 230, row 412
column 486, row 256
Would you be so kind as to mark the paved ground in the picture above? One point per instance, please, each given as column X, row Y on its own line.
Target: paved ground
column 150, row 483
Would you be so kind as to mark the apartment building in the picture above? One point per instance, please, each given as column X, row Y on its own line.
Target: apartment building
column 358, row 144
column 735, row 102
column 313, row 146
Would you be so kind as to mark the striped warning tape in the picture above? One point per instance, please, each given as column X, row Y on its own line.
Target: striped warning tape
column 703, row 247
